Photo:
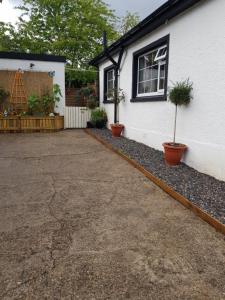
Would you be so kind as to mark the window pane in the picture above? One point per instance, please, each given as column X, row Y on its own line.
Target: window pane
column 141, row 62
column 154, row 85
column 148, row 86
column 150, row 58
column 155, row 70
column 110, row 85
column 147, row 74
column 162, row 71
column 162, row 84
column 162, row 52
column 141, row 75
column 152, row 72
column 110, row 75
column 141, row 88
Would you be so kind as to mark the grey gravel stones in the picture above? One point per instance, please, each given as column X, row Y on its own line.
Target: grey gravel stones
column 204, row 191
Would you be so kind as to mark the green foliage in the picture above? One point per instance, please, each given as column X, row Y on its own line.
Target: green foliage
column 46, row 103
column 49, row 100
column 8, row 41
column 180, row 94
column 62, row 27
column 79, row 78
column 120, row 95
column 128, row 22
column 92, row 102
column 86, row 91
column 33, row 104
column 57, row 94
column 99, row 116
column 89, row 94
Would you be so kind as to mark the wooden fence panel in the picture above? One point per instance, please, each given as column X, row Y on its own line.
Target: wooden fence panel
column 77, row 117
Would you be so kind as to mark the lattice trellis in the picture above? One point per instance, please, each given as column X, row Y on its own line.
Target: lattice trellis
column 18, row 98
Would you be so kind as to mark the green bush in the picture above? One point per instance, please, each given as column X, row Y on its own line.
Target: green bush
column 33, row 104
column 99, row 118
column 180, row 94
column 50, row 100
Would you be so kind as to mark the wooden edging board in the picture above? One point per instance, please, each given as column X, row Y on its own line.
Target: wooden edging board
column 166, row 188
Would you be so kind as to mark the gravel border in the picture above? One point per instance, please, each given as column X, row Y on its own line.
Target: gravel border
column 203, row 190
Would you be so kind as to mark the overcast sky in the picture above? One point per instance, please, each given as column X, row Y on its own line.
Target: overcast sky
column 142, row 7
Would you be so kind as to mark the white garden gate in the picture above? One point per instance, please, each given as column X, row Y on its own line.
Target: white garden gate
column 76, row 117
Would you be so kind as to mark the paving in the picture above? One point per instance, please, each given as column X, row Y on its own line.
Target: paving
column 79, row 222
column 206, row 192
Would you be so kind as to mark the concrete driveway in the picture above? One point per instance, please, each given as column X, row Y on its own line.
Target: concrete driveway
column 78, row 222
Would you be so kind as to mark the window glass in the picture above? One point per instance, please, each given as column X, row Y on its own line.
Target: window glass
column 151, row 72
column 110, row 84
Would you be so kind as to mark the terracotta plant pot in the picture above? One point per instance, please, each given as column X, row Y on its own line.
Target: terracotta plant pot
column 173, row 153
column 117, row 129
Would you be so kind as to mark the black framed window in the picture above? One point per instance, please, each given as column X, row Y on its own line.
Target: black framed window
column 109, row 84
column 150, row 72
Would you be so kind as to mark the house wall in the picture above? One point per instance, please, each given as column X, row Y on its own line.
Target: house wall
column 40, row 66
column 197, row 51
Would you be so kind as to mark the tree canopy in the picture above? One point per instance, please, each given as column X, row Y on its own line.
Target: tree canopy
column 64, row 27
column 128, row 22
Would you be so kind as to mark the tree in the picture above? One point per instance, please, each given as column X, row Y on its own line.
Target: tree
column 7, row 39
column 64, row 27
column 128, row 22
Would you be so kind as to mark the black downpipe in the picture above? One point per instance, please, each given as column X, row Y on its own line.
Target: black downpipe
column 117, row 68
column 115, row 95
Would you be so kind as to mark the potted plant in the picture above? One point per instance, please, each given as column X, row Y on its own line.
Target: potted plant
column 99, row 118
column 179, row 95
column 50, row 99
column 116, row 96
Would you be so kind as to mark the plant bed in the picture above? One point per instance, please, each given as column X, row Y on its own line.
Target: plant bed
column 31, row 124
column 202, row 190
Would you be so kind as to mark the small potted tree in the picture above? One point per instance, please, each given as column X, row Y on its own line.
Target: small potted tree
column 179, row 95
column 116, row 127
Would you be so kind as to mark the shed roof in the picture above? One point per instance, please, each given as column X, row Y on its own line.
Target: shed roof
column 31, row 56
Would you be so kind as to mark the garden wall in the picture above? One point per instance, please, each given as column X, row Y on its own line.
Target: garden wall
column 196, row 51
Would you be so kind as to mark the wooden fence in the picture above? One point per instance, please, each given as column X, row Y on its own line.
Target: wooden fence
column 32, row 124
column 77, row 117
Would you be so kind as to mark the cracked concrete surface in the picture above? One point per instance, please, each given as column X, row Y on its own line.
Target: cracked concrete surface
column 78, row 222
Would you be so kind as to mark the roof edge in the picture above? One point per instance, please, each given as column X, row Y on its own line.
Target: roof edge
column 165, row 12
column 32, row 56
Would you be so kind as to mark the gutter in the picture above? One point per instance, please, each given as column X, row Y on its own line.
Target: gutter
column 164, row 13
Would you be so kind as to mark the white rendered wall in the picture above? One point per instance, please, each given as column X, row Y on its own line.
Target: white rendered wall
column 197, row 51
column 40, row 66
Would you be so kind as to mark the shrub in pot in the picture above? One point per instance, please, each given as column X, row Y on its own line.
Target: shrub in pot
column 50, row 99
column 99, row 118
column 116, row 96
column 179, row 95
